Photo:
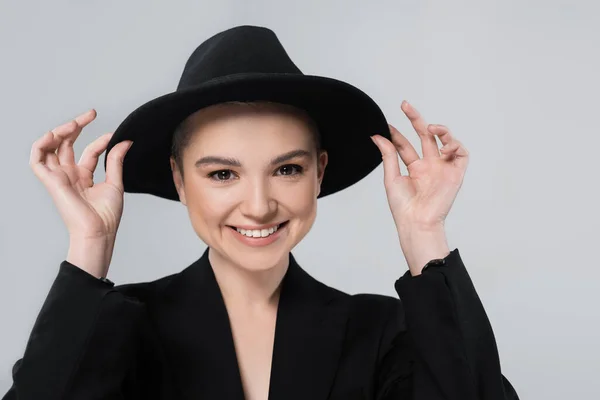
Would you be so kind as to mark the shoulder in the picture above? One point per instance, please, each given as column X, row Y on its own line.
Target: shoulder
column 145, row 291
column 375, row 305
column 371, row 309
column 385, row 311
column 373, row 320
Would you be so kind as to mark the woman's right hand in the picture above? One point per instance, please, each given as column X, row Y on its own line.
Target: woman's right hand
column 90, row 211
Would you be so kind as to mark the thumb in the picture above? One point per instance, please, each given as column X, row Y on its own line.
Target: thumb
column 389, row 154
column 114, row 164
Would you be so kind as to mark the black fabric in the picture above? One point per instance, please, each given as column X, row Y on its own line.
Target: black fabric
column 171, row 339
column 249, row 63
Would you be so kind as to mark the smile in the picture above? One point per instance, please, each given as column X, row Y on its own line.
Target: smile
column 259, row 233
column 259, row 237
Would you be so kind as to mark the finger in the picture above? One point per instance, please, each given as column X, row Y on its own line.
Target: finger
column 456, row 152
column 42, row 148
column 68, row 133
column 114, row 164
column 90, row 155
column 37, row 156
column 441, row 131
column 407, row 152
column 38, row 149
column 462, row 157
column 391, row 166
column 428, row 143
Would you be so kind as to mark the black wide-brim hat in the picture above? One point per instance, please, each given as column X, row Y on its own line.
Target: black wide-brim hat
column 248, row 63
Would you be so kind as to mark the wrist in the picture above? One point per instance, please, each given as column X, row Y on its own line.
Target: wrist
column 92, row 255
column 421, row 246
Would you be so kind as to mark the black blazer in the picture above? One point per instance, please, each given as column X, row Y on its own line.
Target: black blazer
column 171, row 339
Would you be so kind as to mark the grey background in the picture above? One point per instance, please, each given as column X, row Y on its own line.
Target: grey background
column 516, row 81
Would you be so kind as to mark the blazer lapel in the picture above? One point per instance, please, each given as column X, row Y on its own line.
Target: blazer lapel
column 311, row 324
column 198, row 342
column 197, row 335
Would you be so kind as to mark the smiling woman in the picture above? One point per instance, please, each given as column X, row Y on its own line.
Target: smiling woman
column 253, row 167
column 247, row 143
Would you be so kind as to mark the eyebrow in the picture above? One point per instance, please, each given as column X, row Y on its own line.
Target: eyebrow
column 234, row 162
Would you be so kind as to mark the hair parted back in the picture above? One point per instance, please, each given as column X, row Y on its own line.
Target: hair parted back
column 183, row 134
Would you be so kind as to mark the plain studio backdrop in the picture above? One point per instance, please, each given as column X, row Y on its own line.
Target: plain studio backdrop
column 516, row 82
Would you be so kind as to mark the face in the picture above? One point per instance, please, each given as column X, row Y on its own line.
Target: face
column 251, row 181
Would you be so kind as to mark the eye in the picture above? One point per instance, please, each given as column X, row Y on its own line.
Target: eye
column 290, row 169
column 223, row 175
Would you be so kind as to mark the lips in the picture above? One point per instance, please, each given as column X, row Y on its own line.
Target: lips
column 260, row 238
column 281, row 225
column 258, row 229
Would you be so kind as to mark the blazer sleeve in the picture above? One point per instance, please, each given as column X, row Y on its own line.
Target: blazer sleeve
column 438, row 343
column 83, row 344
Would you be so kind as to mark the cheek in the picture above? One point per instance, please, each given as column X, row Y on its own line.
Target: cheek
column 299, row 198
column 208, row 205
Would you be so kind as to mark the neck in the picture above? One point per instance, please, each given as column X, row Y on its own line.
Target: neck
column 248, row 289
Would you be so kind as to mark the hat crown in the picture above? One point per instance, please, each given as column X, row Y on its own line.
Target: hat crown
column 248, row 63
column 243, row 49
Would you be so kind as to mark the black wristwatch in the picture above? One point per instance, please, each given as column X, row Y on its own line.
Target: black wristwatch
column 438, row 262
column 107, row 281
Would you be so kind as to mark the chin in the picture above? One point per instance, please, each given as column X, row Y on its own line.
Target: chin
column 258, row 261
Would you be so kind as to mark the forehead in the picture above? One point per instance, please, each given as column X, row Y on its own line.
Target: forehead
column 250, row 124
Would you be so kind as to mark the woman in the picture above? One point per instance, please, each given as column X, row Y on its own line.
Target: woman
column 248, row 143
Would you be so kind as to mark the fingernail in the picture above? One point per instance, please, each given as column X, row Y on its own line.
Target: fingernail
column 373, row 139
column 130, row 144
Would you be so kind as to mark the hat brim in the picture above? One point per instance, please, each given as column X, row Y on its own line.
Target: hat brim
column 345, row 115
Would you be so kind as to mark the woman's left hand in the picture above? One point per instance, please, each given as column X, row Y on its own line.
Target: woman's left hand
column 423, row 199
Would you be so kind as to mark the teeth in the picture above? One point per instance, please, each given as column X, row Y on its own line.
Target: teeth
column 258, row 232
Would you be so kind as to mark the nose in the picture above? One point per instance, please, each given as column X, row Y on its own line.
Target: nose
column 258, row 204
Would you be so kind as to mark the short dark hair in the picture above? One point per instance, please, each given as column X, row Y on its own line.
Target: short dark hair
column 183, row 134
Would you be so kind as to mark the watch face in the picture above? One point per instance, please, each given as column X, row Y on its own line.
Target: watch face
column 106, row 280
column 437, row 262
